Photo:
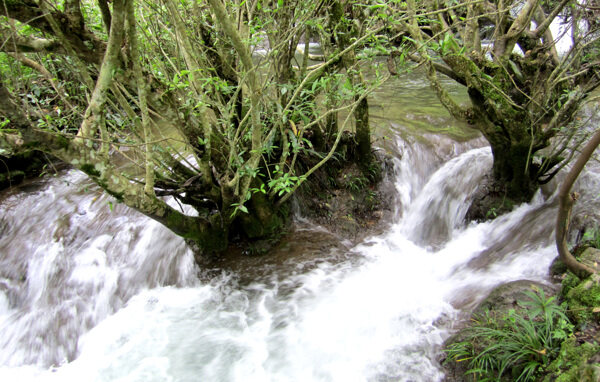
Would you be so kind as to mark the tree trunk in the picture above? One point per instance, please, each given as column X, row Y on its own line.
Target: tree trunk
column 264, row 219
column 363, row 133
column 512, row 168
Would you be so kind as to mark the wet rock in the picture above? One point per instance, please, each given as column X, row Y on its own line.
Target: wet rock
column 506, row 296
column 489, row 201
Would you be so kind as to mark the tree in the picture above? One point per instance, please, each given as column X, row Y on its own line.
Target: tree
column 208, row 102
column 524, row 95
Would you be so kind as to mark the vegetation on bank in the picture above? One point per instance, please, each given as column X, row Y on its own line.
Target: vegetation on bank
column 544, row 338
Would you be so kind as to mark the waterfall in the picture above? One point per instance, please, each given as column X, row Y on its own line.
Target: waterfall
column 90, row 290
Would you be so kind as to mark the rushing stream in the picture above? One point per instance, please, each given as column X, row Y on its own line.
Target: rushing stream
column 91, row 291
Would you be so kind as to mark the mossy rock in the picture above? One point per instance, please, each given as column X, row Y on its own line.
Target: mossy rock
column 506, row 296
column 591, row 258
column 584, row 300
column 575, row 363
column 583, row 296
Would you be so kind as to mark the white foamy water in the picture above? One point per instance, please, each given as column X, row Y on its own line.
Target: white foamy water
column 112, row 296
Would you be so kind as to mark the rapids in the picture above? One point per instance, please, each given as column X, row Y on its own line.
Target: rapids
column 92, row 291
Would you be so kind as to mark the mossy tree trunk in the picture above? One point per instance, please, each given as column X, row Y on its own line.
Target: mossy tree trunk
column 344, row 32
column 524, row 104
column 213, row 126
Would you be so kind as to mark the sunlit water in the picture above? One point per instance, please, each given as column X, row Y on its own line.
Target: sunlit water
column 92, row 291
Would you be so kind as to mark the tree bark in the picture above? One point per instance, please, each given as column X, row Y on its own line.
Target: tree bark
column 511, row 168
column 363, row 132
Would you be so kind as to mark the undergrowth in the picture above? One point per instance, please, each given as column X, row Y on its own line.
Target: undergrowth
column 516, row 346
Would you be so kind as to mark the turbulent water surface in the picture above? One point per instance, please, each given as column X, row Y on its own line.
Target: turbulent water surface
column 91, row 291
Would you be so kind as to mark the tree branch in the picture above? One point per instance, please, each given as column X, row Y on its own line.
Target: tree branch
column 92, row 118
column 68, row 26
column 12, row 42
column 545, row 24
column 106, row 17
column 566, row 201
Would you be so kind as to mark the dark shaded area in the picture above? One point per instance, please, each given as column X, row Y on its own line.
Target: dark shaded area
column 15, row 169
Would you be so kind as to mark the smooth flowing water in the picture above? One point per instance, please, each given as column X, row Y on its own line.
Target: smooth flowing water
column 91, row 291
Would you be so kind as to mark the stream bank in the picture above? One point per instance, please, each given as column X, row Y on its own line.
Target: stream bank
column 573, row 355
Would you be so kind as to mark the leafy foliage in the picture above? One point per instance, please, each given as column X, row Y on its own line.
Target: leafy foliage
column 519, row 344
column 206, row 102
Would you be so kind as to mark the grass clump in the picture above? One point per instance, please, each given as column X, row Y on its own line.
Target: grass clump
column 516, row 346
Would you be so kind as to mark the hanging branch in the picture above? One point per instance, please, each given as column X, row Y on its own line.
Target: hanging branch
column 92, row 118
column 142, row 94
column 566, row 201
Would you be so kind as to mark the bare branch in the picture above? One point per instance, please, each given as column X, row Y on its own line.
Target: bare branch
column 106, row 16
column 566, row 201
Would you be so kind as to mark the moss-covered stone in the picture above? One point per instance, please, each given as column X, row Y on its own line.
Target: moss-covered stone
column 573, row 363
column 590, row 256
column 584, row 299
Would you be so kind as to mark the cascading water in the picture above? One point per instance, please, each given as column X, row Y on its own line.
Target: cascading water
column 90, row 292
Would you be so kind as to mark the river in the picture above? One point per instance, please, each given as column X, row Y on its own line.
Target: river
column 92, row 291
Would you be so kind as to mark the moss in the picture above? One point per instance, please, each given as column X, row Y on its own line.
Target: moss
column 255, row 227
column 62, row 142
column 582, row 298
column 569, row 282
column 173, row 219
column 90, row 170
column 117, row 195
column 204, row 239
column 572, row 363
